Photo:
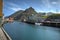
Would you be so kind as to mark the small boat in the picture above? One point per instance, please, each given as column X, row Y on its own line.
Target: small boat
column 38, row 23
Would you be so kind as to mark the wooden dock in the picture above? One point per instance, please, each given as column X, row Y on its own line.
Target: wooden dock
column 53, row 24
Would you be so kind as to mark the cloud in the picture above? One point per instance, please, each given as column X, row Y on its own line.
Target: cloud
column 14, row 6
column 16, row 9
column 47, row 3
column 54, row 2
column 25, row 3
column 59, row 3
column 51, row 5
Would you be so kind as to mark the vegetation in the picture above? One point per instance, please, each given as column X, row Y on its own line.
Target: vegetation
column 44, row 17
column 54, row 16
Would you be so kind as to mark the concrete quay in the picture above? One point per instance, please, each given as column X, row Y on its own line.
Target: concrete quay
column 2, row 35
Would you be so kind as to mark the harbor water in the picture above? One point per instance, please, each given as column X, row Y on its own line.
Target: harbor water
column 24, row 31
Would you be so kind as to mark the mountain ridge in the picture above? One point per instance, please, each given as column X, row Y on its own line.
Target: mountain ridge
column 23, row 13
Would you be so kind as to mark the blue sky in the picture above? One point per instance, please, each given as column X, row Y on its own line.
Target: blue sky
column 11, row 6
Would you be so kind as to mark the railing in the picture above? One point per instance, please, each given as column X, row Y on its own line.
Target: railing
column 6, row 34
column 1, row 26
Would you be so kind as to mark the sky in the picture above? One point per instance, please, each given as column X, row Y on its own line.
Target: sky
column 11, row 6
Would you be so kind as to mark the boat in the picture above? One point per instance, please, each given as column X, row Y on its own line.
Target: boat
column 38, row 23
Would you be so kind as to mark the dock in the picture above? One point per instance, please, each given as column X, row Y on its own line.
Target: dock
column 53, row 24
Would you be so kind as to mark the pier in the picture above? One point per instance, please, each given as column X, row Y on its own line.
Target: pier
column 53, row 24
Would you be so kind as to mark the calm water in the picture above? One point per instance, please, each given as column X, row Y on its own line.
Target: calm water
column 24, row 31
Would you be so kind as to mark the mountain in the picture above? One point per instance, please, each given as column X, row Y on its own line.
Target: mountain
column 29, row 15
column 16, row 13
column 25, row 14
column 30, row 11
column 21, row 15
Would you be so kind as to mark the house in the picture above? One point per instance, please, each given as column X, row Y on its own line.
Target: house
column 1, row 15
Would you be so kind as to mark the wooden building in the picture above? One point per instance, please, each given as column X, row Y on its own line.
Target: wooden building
column 1, row 15
column 1, row 7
